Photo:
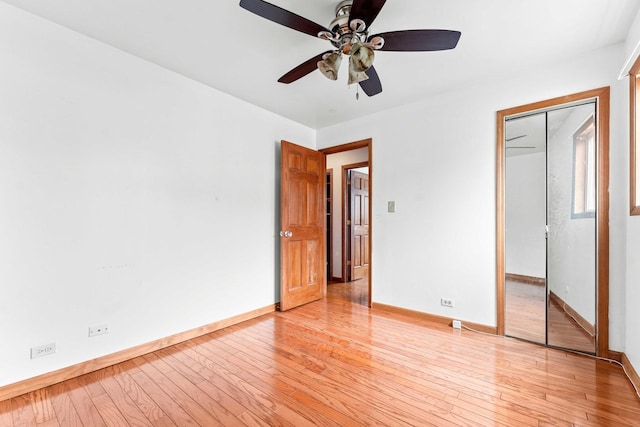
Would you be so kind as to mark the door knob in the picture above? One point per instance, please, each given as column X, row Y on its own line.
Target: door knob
column 286, row 234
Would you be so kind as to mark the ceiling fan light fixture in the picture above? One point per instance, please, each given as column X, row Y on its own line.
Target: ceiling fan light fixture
column 356, row 76
column 330, row 64
column 361, row 57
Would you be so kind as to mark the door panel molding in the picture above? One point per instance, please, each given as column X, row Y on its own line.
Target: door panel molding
column 346, row 194
column 602, row 95
column 359, row 223
column 302, row 222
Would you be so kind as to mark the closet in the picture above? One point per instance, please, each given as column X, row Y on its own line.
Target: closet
column 550, row 174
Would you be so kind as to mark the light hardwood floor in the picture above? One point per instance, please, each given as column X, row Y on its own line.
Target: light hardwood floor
column 337, row 363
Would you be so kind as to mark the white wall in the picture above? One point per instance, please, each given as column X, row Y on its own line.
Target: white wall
column 129, row 195
column 335, row 162
column 437, row 159
column 525, row 215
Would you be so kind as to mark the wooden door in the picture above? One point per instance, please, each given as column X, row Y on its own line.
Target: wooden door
column 359, row 224
column 302, row 222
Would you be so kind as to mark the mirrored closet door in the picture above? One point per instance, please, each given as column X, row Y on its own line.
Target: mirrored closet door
column 550, row 229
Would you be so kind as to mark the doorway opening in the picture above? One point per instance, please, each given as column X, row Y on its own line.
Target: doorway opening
column 348, row 219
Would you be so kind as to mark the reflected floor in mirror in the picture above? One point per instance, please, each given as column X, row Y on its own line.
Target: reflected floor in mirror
column 565, row 332
column 525, row 316
column 525, row 311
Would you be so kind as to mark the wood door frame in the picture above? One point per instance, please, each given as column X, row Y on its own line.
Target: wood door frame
column 346, row 242
column 602, row 95
column 368, row 143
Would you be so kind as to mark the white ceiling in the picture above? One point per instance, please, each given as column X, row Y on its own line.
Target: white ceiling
column 228, row 48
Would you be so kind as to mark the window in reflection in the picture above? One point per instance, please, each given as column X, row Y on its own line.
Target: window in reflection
column 584, row 171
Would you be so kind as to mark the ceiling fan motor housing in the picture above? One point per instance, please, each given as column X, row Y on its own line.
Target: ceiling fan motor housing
column 344, row 34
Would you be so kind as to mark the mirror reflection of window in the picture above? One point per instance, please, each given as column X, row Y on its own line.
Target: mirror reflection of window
column 584, row 171
column 634, row 150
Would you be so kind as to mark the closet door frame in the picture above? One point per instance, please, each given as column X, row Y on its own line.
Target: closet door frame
column 602, row 97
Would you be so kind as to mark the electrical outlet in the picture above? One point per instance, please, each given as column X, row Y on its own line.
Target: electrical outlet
column 98, row 330
column 446, row 302
column 43, row 350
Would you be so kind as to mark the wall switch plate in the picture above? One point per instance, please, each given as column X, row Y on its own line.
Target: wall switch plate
column 43, row 350
column 457, row 324
column 391, row 206
column 98, row 330
column 446, row 302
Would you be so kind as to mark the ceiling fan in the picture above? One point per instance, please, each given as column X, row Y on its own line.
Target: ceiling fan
column 348, row 32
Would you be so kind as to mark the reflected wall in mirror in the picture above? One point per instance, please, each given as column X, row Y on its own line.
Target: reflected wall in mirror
column 553, row 222
column 525, row 222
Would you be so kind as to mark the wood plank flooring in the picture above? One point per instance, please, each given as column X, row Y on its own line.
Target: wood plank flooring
column 337, row 363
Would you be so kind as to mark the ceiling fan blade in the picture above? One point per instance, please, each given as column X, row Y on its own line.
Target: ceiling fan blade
column 419, row 40
column 282, row 16
column 372, row 85
column 367, row 10
column 302, row 69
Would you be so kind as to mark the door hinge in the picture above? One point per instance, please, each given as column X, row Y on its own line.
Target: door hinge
column 546, row 231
